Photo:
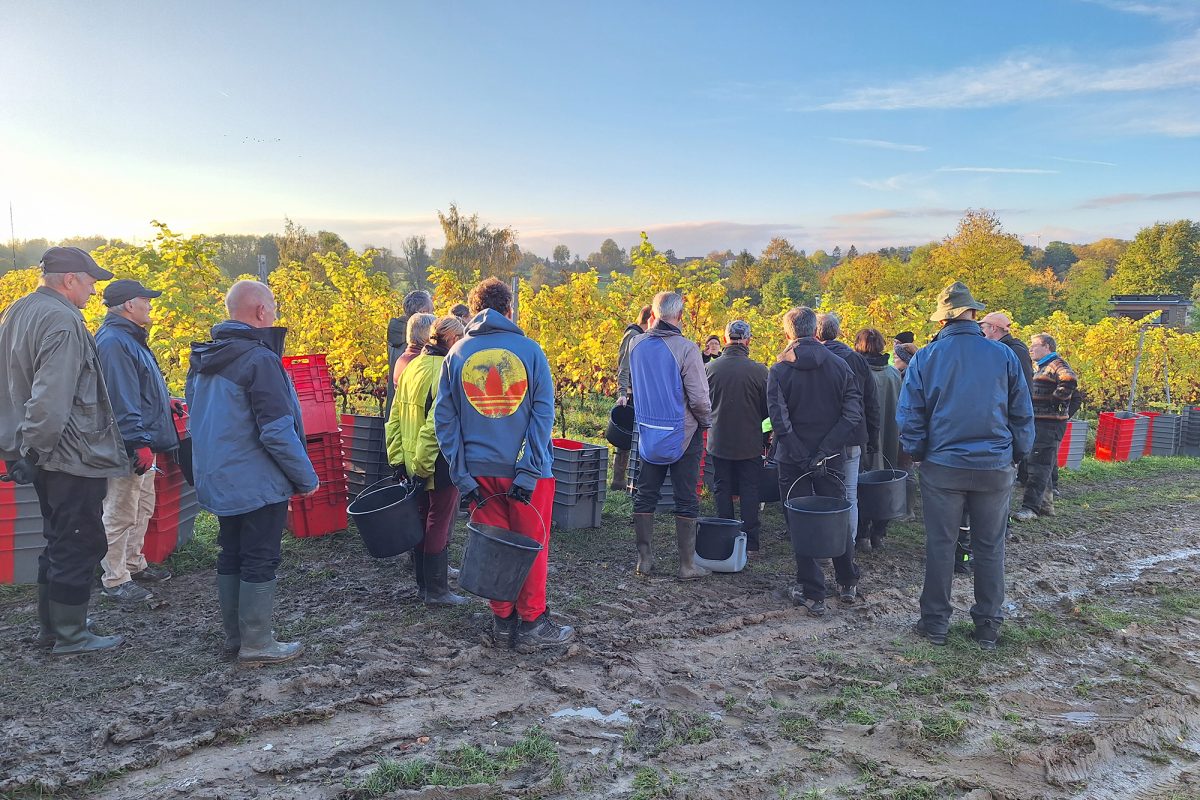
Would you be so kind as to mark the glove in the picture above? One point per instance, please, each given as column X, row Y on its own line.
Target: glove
column 417, row 483
column 23, row 470
column 143, row 460
column 473, row 498
column 399, row 473
column 519, row 494
column 818, row 466
column 178, row 407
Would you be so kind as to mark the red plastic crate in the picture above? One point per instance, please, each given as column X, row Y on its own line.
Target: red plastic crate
column 319, row 515
column 1114, row 437
column 314, row 388
column 325, row 453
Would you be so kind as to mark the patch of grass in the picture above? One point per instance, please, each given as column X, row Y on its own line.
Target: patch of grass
column 647, row 785
column 942, row 726
column 1029, row 735
column 663, row 732
column 798, row 727
column 1179, row 604
column 1083, row 688
column 307, row 625
column 1104, row 617
column 1012, row 716
column 200, row 553
column 1006, row 747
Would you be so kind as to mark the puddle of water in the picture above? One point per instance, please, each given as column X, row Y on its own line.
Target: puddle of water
column 1136, row 568
column 1079, row 717
column 592, row 713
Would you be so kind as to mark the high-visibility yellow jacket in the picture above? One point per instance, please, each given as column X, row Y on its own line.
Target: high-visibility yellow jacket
column 411, row 440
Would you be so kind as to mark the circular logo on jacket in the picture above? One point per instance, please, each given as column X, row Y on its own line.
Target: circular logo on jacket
column 494, row 382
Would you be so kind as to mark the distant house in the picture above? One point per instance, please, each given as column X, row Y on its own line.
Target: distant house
column 1176, row 309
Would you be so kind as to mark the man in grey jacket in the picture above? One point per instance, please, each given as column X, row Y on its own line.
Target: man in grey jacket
column 672, row 413
column 57, row 432
column 142, row 407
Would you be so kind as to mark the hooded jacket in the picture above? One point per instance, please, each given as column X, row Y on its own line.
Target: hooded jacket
column 814, row 402
column 737, row 388
column 397, row 340
column 411, row 439
column 623, row 380
column 494, row 412
column 139, row 395
column 246, row 427
column 696, row 403
column 964, row 403
column 866, row 435
column 887, row 391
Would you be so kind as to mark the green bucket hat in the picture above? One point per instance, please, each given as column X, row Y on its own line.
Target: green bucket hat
column 953, row 300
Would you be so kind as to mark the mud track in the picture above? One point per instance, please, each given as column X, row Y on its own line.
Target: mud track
column 718, row 689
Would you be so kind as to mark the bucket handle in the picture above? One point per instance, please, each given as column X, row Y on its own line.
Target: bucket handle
column 788, row 495
column 481, row 503
column 371, row 488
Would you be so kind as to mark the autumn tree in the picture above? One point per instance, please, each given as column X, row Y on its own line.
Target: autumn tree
column 1163, row 259
column 416, row 262
column 475, row 248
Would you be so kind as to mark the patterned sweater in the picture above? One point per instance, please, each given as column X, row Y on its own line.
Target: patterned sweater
column 1054, row 384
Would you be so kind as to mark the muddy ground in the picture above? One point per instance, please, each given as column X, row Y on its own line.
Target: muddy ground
column 717, row 689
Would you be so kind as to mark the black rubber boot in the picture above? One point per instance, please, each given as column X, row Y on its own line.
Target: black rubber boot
column 256, row 602
column 620, row 466
column 45, row 638
column 504, row 631
column 685, row 536
column 541, row 634
column 643, row 528
column 437, row 581
column 418, row 563
column 71, row 634
column 228, row 591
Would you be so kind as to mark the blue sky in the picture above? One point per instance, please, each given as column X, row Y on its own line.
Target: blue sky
column 710, row 126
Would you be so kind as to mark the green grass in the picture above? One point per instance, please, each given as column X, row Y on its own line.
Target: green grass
column 647, row 785
column 798, row 727
column 1104, row 617
column 1176, row 603
column 665, row 732
column 942, row 726
column 200, row 553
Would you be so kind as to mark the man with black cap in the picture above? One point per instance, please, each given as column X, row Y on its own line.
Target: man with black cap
column 57, row 431
column 965, row 414
column 142, row 407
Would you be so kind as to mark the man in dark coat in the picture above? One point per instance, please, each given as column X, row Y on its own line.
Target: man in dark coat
column 415, row 302
column 737, row 387
column 624, row 394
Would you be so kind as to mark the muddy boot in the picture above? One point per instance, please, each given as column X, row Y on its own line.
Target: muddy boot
column 256, row 602
column 418, row 565
column 542, row 634
column 437, row 582
column 910, row 501
column 71, row 634
column 962, row 551
column 504, row 631
column 228, row 589
column 643, row 527
column 685, row 535
column 45, row 639
column 620, row 465
column 1046, row 509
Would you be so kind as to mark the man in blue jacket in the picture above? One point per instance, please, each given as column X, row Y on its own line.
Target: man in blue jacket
column 142, row 407
column 249, row 458
column 494, row 414
column 965, row 415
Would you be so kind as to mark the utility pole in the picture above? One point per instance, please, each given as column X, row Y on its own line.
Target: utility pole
column 12, row 230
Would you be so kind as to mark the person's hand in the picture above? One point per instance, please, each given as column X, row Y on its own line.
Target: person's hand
column 23, row 470
column 818, row 466
column 622, row 400
column 520, row 494
column 473, row 498
column 178, row 407
column 143, row 460
column 311, row 491
column 417, row 483
column 399, row 473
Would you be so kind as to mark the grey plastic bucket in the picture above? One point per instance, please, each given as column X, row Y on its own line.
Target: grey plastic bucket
column 496, row 561
column 881, row 494
column 387, row 519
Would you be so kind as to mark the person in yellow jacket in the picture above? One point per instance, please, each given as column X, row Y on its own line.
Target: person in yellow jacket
column 413, row 453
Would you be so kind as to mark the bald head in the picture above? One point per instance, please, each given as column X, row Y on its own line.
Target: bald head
column 251, row 302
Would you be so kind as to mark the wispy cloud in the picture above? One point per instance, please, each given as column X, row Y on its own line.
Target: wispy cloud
column 877, row 214
column 1111, row 200
column 882, row 144
column 1178, row 124
column 1166, row 10
column 895, row 183
column 1021, row 79
column 1083, row 161
column 1001, row 170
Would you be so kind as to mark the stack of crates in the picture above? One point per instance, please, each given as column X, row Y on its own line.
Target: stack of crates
column 21, row 539
column 1070, row 449
column 175, row 511
column 325, row 511
column 667, row 498
column 1121, row 436
column 1189, row 431
column 364, row 454
column 580, row 483
column 1163, row 436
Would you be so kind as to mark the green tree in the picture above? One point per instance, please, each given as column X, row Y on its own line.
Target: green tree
column 1086, row 291
column 472, row 247
column 562, row 256
column 1058, row 256
column 1163, row 259
column 608, row 258
column 416, row 262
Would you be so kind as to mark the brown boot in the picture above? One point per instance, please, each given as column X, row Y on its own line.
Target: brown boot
column 620, row 465
column 643, row 527
column 685, row 535
column 1046, row 509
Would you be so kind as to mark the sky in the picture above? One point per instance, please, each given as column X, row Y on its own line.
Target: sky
column 710, row 125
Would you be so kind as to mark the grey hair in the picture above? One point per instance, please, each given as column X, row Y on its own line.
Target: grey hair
column 417, row 302
column 419, row 328
column 1047, row 340
column 829, row 326
column 800, row 322
column 55, row 280
column 668, row 305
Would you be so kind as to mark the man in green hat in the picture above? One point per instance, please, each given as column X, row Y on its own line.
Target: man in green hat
column 965, row 414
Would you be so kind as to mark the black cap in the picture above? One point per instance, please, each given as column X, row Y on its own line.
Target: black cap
column 904, row 337
column 118, row 292
column 73, row 259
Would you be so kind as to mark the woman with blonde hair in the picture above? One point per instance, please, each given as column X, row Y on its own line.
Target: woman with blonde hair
column 413, row 452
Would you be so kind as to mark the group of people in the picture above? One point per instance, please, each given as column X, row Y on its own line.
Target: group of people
column 469, row 423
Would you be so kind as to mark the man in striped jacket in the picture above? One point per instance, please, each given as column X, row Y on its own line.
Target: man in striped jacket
column 1052, row 389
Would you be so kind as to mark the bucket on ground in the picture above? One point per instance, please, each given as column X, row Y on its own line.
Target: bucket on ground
column 496, row 561
column 881, row 494
column 715, row 537
column 387, row 518
column 619, row 432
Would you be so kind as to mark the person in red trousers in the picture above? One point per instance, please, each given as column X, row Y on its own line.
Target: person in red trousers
column 493, row 419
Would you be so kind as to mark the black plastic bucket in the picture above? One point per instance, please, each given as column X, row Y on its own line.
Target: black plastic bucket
column 619, row 432
column 768, row 483
column 881, row 494
column 387, row 518
column 496, row 562
column 818, row 526
column 715, row 537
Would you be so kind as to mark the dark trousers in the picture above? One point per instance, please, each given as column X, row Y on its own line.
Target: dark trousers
column 73, row 523
column 739, row 477
column 684, row 474
column 809, row 574
column 984, row 494
column 1043, row 460
column 439, row 509
column 250, row 543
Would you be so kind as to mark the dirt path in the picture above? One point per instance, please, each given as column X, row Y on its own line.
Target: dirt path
column 713, row 690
